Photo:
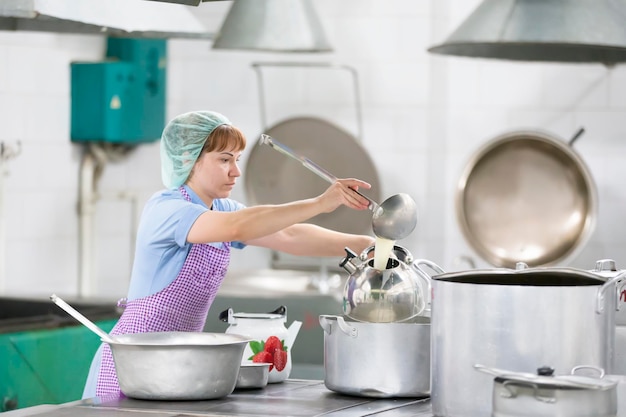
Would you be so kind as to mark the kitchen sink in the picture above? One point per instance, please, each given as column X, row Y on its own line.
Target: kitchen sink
column 277, row 282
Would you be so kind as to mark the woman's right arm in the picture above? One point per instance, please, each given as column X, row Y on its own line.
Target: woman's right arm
column 257, row 221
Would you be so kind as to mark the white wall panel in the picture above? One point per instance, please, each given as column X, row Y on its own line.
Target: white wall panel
column 423, row 117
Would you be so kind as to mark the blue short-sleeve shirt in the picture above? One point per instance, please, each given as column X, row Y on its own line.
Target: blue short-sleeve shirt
column 162, row 247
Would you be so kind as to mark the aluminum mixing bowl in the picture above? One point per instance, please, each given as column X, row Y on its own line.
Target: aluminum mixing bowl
column 178, row 365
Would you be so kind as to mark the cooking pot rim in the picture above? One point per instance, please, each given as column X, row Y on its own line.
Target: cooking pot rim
column 174, row 339
column 505, row 276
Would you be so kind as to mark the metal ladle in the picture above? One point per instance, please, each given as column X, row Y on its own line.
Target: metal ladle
column 84, row 320
column 394, row 219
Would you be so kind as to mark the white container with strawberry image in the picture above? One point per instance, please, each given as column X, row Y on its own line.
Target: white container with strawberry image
column 271, row 340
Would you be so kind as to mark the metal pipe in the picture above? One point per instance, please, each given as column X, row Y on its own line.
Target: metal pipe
column 6, row 153
column 355, row 82
column 86, row 210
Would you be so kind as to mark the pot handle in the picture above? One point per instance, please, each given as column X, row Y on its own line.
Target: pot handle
column 510, row 392
column 282, row 310
column 599, row 370
column 426, row 277
column 341, row 323
column 225, row 315
column 621, row 293
column 617, row 280
column 325, row 323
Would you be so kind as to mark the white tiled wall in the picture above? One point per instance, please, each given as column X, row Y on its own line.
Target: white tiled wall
column 423, row 116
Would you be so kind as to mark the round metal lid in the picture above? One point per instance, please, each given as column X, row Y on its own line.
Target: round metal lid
column 526, row 197
column 272, row 178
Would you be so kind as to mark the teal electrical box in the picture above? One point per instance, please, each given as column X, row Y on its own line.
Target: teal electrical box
column 105, row 102
column 122, row 99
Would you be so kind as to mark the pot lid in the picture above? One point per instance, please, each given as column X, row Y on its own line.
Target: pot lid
column 545, row 378
column 540, row 276
column 526, row 196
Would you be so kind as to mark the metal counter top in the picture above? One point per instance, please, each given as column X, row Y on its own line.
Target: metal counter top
column 296, row 398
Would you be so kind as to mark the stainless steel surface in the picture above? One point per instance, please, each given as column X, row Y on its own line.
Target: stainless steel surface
column 620, row 350
column 391, row 295
column 526, row 196
column 517, row 320
column 177, row 365
column 253, row 375
column 379, row 360
column 547, row 30
column 272, row 25
column 621, row 393
column 291, row 398
column 270, row 178
column 394, row 219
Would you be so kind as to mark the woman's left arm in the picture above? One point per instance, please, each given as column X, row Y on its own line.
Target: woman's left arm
column 305, row 239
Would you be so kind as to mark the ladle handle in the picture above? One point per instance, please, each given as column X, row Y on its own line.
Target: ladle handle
column 84, row 320
column 307, row 163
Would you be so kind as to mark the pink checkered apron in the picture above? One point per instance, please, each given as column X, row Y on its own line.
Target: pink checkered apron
column 181, row 306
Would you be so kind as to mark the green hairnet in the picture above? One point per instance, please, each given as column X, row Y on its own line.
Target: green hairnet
column 181, row 143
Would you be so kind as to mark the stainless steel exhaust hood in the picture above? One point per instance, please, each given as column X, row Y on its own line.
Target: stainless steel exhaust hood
column 583, row 31
column 128, row 18
column 272, row 25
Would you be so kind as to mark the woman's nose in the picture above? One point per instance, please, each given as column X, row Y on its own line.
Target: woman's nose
column 235, row 172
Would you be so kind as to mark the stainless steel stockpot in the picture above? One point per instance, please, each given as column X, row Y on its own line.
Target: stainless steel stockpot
column 514, row 319
column 523, row 394
column 379, row 360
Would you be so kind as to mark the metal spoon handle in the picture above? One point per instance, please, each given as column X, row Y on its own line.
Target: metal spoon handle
column 307, row 163
column 84, row 320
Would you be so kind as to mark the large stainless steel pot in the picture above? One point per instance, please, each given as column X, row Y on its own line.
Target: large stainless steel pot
column 177, row 365
column 514, row 319
column 526, row 196
column 378, row 360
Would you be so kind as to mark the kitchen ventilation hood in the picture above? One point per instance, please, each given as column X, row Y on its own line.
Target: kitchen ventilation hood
column 578, row 31
column 124, row 18
column 272, row 25
column 186, row 2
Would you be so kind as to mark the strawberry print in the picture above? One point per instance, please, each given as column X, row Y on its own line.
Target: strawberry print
column 272, row 351
column 264, row 357
column 273, row 343
column 280, row 359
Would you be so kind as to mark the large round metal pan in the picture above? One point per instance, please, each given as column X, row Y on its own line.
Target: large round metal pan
column 273, row 178
column 526, row 196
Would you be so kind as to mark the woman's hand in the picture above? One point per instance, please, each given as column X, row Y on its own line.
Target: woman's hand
column 343, row 192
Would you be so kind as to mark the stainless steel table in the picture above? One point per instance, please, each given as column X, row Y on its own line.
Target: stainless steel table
column 306, row 398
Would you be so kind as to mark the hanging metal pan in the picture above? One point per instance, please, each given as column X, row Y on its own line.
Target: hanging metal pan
column 526, row 196
column 270, row 178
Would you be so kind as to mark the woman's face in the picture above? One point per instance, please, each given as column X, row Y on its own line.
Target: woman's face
column 215, row 173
